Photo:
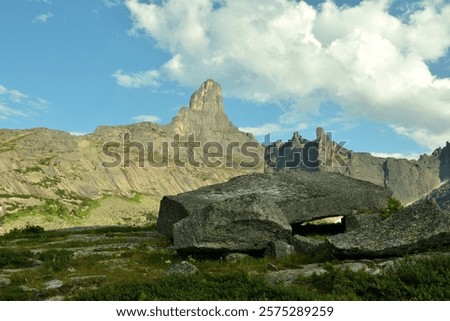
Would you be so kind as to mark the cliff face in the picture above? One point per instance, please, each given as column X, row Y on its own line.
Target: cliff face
column 409, row 180
column 38, row 165
column 206, row 118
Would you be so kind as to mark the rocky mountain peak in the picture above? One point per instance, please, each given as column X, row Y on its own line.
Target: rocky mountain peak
column 206, row 117
column 208, row 98
column 444, row 170
column 320, row 134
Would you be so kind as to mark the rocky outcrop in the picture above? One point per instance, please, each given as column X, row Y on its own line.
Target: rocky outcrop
column 409, row 180
column 441, row 196
column 279, row 249
column 416, row 228
column 308, row 245
column 243, row 223
column 206, row 117
column 248, row 212
column 367, row 220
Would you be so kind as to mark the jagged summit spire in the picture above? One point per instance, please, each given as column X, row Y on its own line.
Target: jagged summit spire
column 208, row 98
column 206, row 117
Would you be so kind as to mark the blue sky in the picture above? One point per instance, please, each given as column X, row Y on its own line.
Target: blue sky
column 375, row 73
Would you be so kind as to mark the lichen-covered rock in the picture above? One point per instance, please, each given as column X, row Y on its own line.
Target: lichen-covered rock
column 441, row 196
column 418, row 227
column 353, row 222
column 243, row 223
column 279, row 249
column 183, row 268
column 300, row 196
column 308, row 245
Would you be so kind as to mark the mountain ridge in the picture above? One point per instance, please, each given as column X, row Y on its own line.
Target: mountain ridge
column 39, row 165
column 51, row 171
column 410, row 180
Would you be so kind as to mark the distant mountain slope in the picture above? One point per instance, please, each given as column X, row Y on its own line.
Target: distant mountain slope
column 410, row 180
column 42, row 169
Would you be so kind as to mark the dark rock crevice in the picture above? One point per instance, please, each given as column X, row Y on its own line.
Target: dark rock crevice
column 322, row 229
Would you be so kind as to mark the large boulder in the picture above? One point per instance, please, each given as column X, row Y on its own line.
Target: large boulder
column 240, row 224
column 353, row 222
column 416, row 228
column 294, row 196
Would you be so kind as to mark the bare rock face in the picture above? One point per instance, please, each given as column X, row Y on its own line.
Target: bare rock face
column 248, row 212
column 279, row 249
column 444, row 157
column 206, row 117
column 353, row 222
column 208, row 98
column 303, row 244
column 441, row 196
column 416, row 228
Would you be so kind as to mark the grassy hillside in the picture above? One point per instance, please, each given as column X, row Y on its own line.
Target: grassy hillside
column 128, row 263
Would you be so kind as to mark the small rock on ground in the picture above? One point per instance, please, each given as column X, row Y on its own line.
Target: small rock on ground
column 236, row 257
column 184, row 268
column 53, row 284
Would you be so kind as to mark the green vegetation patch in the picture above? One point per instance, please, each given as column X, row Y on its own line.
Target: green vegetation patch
column 32, row 169
column 393, row 206
column 408, row 280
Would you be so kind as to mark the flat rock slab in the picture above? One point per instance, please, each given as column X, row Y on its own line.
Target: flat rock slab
column 240, row 224
column 300, row 196
column 416, row 228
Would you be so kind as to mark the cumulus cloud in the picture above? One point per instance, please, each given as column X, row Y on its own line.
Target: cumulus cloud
column 137, row 80
column 42, row 18
column 150, row 118
column 14, row 103
column 370, row 62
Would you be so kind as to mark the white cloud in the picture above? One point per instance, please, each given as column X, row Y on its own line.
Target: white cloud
column 112, row 3
column 42, row 18
column 14, row 103
column 17, row 96
column 7, row 112
column 137, row 80
column 49, row 2
column 412, row 156
column 262, row 130
column 142, row 118
column 77, row 133
column 370, row 62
